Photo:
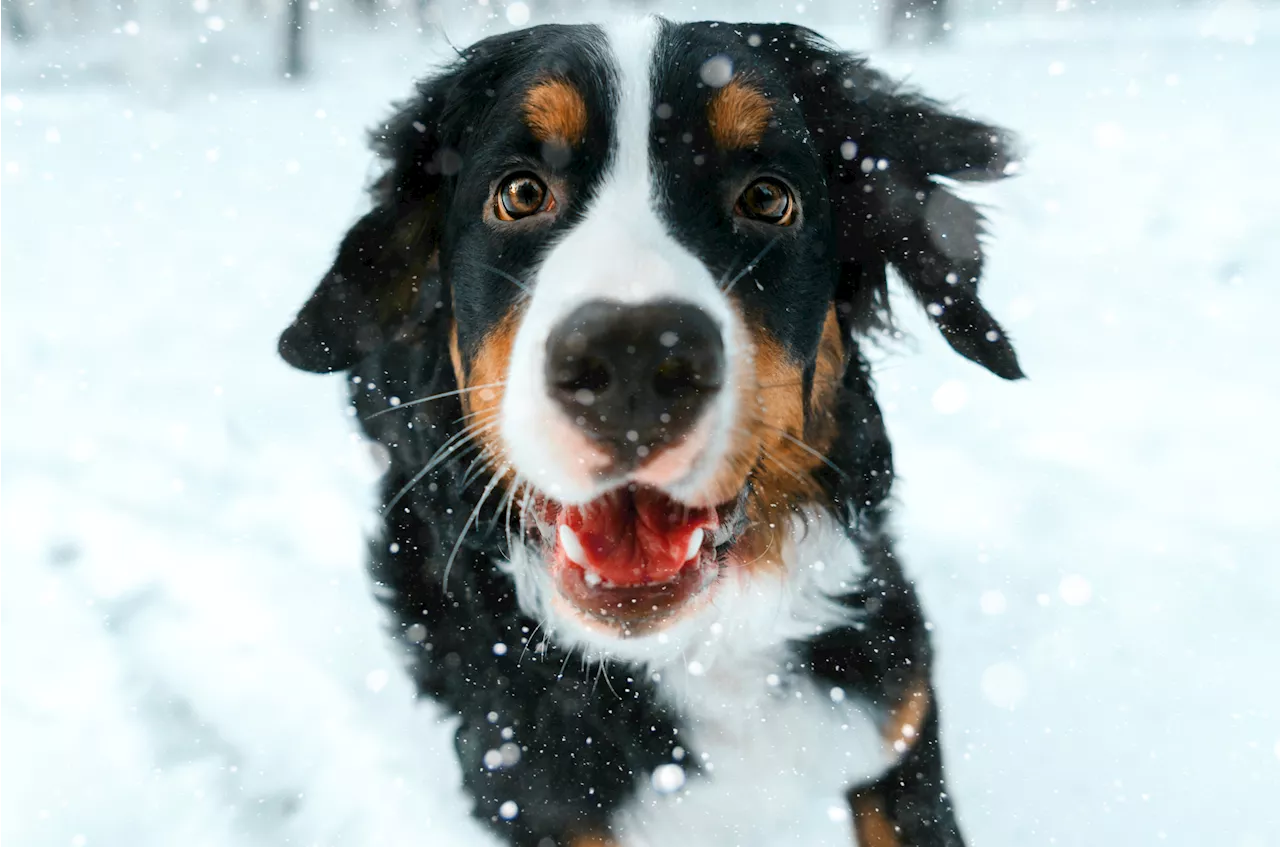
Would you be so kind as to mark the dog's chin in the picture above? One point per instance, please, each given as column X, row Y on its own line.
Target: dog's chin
column 634, row 561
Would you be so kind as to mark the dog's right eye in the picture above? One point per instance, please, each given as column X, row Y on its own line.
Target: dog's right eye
column 769, row 201
column 520, row 196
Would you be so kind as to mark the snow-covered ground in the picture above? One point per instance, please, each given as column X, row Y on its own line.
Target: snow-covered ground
column 190, row 652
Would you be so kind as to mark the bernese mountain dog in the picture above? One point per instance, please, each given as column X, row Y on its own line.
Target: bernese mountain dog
column 608, row 316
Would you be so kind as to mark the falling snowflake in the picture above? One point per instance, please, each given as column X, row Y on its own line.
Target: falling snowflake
column 668, row 778
column 716, row 71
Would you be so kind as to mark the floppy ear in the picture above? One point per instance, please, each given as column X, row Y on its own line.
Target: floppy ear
column 386, row 271
column 384, row 263
column 888, row 153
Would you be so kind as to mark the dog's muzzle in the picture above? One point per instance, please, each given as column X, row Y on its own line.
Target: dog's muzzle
column 635, row 378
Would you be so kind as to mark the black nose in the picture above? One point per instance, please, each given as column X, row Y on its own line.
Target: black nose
column 635, row 377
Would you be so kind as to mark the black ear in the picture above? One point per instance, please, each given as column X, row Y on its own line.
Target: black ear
column 372, row 290
column 386, row 271
column 889, row 154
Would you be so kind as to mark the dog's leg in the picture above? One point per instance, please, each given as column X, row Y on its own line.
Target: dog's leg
column 909, row 806
column 547, row 757
column 548, row 749
column 887, row 660
column 872, row 825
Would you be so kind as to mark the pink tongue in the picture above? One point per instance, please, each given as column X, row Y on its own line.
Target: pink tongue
column 636, row 538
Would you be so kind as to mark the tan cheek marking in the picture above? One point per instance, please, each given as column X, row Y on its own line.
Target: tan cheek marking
column 489, row 366
column 738, row 115
column 458, row 373
column 871, row 821
column 744, row 447
column 827, row 373
column 772, row 442
column 906, row 719
column 783, row 478
column 797, row 445
column 555, row 112
column 779, row 406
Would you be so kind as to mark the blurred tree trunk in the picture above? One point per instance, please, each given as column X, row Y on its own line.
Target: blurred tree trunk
column 294, row 62
column 14, row 21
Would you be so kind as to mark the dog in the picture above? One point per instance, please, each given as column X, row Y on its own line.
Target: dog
column 607, row 316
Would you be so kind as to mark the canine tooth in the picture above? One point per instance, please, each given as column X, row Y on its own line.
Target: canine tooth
column 592, row 579
column 572, row 546
column 695, row 544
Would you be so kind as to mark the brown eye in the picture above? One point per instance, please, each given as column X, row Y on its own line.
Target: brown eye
column 769, row 201
column 520, row 196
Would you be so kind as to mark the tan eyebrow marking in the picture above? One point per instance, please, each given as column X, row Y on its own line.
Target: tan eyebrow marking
column 738, row 114
column 556, row 113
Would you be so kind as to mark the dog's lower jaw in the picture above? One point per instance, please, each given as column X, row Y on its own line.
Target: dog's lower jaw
column 740, row 603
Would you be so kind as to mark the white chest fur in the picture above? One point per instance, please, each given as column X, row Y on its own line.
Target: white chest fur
column 775, row 762
column 775, row 751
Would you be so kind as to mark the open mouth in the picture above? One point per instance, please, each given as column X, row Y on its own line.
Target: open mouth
column 634, row 558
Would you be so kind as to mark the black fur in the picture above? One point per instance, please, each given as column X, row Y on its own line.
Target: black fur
column 421, row 261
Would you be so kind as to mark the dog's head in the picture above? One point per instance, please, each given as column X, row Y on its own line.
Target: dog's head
column 627, row 269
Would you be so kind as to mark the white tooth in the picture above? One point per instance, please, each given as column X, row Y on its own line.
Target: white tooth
column 572, row 546
column 695, row 545
column 592, row 579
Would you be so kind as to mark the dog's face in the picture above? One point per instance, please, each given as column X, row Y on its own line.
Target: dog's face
column 645, row 254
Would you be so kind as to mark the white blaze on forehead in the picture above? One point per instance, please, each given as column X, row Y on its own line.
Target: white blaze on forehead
column 620, row 250
column 630, row 176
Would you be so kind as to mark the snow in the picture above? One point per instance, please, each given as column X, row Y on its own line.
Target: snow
column 191, row 651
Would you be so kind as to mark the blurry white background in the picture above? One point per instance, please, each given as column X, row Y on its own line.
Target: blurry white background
column 190, row 651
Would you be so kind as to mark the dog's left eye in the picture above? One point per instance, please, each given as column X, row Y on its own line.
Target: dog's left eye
column 768, row 201
column 520, row 196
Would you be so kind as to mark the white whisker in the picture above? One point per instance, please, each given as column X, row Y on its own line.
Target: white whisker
column 808, row 449
column 508, row 277
column 439, row 396
column 529, row 640
column 565, row 663
column 457, row 545
column 458, row 439
column 751, row 266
